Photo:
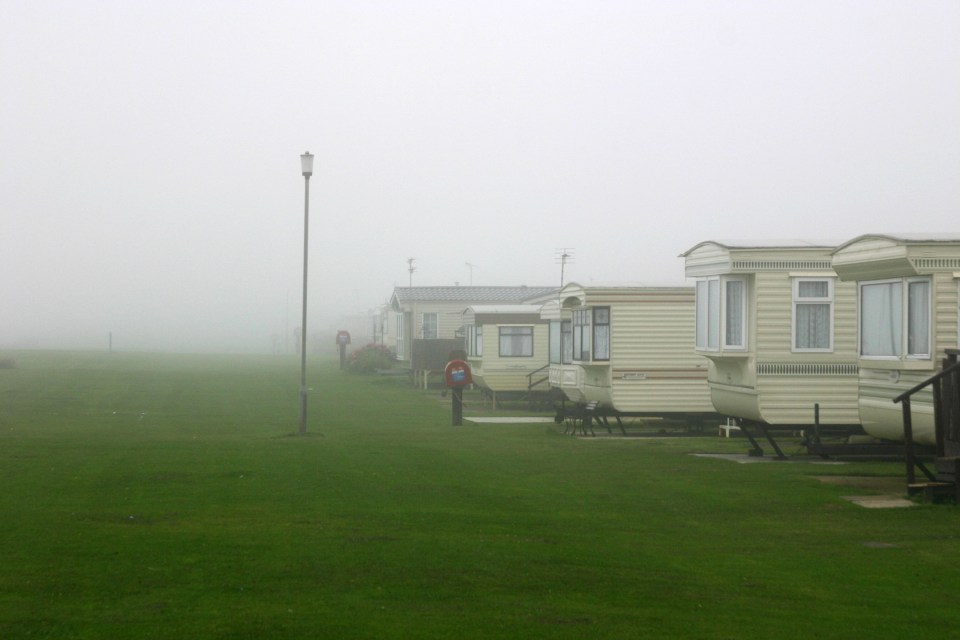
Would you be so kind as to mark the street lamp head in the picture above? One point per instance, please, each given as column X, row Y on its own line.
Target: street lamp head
column 306, row 164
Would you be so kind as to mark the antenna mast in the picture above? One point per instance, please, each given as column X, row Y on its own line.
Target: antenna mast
column 564, row 257
column 411, row 269
column 471, row 267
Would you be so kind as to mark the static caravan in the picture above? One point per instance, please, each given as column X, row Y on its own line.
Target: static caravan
column 427, row 321
column 907, row 288
column 507, row 349
column 629, row 349
column 778, row 329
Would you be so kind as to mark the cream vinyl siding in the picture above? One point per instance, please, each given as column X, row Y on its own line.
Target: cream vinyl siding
column 770, row 382
column 652, row 366
column 449, row 317
column 790, row 399
column 707, row 260
column 829, row 379
column 869, row 258
column 510, row 373
column 884, row 419
column 945, row 315
column 881, row 381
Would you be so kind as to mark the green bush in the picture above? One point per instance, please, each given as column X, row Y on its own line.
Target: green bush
column 370, row 358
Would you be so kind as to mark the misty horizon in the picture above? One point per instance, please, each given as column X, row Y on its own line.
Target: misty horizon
column 151, row 187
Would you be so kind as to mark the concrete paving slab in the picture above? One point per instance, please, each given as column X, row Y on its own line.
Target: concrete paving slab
column 880, row 502
column 742, row 458
column 506, row 420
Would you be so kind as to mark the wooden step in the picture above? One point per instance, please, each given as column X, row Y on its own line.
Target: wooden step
column 933, row 490
column 948, row 469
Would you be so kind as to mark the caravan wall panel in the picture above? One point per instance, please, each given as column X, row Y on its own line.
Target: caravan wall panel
column 510, row 373
column 653, row 366
column 789, row 383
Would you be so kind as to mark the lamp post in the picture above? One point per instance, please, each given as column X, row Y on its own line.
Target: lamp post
column 306, row 166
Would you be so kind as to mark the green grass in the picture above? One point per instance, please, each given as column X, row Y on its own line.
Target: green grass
column 162, row 496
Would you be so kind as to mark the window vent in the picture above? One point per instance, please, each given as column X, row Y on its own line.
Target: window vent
column 782, row 265
column 937, row 263
column 800, row 369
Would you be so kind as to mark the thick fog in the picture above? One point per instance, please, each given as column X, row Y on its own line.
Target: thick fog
column 150, row 184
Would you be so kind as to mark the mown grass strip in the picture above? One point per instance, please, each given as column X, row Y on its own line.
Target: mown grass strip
column 168, row 496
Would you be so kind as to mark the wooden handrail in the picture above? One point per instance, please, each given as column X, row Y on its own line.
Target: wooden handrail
column 938, row 414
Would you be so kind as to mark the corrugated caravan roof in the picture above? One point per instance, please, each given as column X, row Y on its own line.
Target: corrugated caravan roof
column 469, row 295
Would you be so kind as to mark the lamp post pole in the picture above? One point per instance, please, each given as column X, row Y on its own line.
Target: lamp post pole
column 306, row 165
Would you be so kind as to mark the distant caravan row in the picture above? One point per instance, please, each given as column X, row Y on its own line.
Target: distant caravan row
column 767, row 332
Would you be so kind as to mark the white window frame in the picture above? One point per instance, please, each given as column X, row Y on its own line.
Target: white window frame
column 931, row 305
column 474, row 339
column 582, row 334
column 594, row 354
column 435, row 317
column 903, row 352
column 797, row 301
column 523, row 331
column 713, row 314
column 566, row 341
column 556, row 343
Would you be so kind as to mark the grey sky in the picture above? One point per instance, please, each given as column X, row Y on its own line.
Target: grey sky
column 149, row 170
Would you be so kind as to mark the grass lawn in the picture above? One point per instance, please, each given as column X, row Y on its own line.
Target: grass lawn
column 167, row 496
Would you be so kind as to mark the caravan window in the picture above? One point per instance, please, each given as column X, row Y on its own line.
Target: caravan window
column 895, row 318
column 734, row 315
column 430, row 328
column 601, row 333
column 721, row 310
column 581, row 335
column 813, row 314
column 560, row 342
column 554, row 342
column 516, row 342
column 474, row 340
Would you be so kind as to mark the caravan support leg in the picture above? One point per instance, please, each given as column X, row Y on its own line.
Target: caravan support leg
column 757, row 450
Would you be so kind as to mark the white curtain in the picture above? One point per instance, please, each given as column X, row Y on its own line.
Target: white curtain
column 733, row 333
column 813, row 326
column 555, row 342
column 713, row 314
column 918, row 318
column 429, row 327
column 601, row 342
column 516, row 341
column 880, row 319
column 812, row 318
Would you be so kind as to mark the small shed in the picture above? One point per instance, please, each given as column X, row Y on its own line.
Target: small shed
column 907, row 316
